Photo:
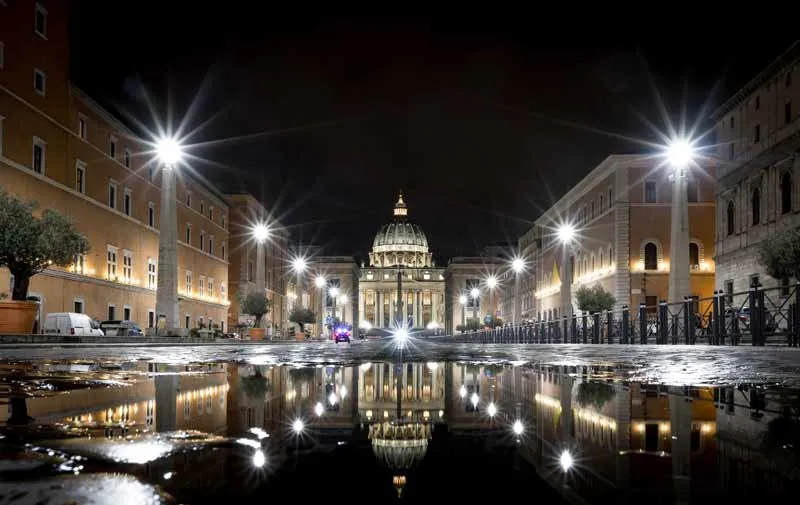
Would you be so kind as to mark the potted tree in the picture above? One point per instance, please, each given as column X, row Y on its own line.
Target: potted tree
column 256, row 305
column 28, row 245
column 594, row 299
column 301, row 317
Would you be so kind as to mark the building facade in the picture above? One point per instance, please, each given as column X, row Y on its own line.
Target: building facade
column 59, row 147
column 463, row 276
column 758, row 137
column 245, row 274
column 621, row 213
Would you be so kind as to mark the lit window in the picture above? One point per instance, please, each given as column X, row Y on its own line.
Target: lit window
column 127, row 266
column 188, row 283
column 111, row 263
column 151, row 273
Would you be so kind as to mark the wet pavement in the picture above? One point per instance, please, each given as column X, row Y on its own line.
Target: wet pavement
column 325, row 423
column 670, row 364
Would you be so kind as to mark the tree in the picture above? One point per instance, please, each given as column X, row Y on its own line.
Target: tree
column 301, row 317
column 473, row 324
column 29, row 244
column 255, row 304
column 779, row 253
column 594, row 299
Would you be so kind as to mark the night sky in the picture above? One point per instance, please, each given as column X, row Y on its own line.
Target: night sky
column 325, row 118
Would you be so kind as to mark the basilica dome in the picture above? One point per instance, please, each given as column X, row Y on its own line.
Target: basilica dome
column 400, row 242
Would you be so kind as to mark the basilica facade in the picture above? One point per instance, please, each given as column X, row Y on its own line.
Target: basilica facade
column 400, row 284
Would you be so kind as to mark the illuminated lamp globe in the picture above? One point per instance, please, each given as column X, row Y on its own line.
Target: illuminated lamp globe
column 169, row 151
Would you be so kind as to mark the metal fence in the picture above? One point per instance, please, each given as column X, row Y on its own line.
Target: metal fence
column 755, row 317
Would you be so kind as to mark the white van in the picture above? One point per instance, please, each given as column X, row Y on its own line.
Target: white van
column 70, row 323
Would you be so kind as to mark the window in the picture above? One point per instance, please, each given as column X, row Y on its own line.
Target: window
column 758, row 102
column 188, row 283
column 211, row 244
column 39, row 81
column 730, row 214
column 201, row 286
column 80, row 177
column 786, row 193
column 83, row 132
column 691, row 190
column 729, row 292
column 150, row 170
column 38, row 162
column 40, row 21
column 186, row 322
column 694, row 255
column 111, row 263
column 151, row 214
column 202, row 207
column 222, row 221
column 602, row 207
column 757, row 134
column 77, row 306
column 127, row 158
column 731, row 151
column 211, row 213
column 755, row 203
column 210, row 286
column 732, row 122
column 126, row 313
column 126, row 202
column 189, row 200
column 127, row 266
column 112, row 312
column 2, row 55
column 222, row 290
column 188, row 233
column 151, row 319
column 650, row 256
column 787, row 112
column 202, row 240
column 788, row 78
column 112, row 195
column 650, row 192
column 222, row 250
column 112, row 148
column 592, row 209
column 151, row 273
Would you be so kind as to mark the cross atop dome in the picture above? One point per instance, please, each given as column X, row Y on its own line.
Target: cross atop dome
column 400, row 209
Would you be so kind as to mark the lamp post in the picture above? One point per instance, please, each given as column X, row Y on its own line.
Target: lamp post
column 260, row 235
column 334, row 293
column 320, row 282
column 517, row 265
column 463, row 301
column 491, row 283
column 299, row 265
column 475, row 293
column 169, row 153
column 679, row 156
column 566, row 234
column 343, row 300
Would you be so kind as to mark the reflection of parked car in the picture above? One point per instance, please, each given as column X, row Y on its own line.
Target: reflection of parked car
column 70, row 323
column 121, row 328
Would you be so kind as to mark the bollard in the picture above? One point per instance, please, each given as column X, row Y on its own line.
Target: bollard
column 755, row 320
column 663, row 322
column 626, row 321
column 715, row 318
column 642, row 323
column 585, row 324
column 687, row 320
column 596, row 328
column 609, row 325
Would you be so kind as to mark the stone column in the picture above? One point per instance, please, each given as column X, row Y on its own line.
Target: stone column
column 392, row 308
column 679, row 268
column 379, row 308
column 167, row 292
column 362, row 306
column 680, row 413
column 261, row 278
column 414, row 383
column 434, row 297
column 414, row 295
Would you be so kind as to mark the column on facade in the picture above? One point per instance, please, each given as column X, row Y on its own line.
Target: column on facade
column 378, row 308
column 379, row 375
column 360, row 384
column 414, row 382
column 405, row 382
column 362, row 305
column 420, row 312
column 434, row 298
column 434, row 383
column 391, row 382
column 414, row 297
column 392, row 308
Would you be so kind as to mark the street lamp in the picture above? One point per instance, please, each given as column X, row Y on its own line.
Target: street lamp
column 343, row 300
column 320, row 282
column 679, row 155
column 463, row 301
column 566, row 235
column 475, row 293
column 260, row 233
column 518, row 266
column 169, row 153
column 334, row 293
column 299, row 265
column 491, row 283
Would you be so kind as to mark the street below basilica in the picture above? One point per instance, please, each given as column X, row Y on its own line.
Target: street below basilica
column 673, row 365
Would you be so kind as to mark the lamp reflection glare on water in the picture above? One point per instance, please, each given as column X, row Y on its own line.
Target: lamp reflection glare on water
column 298, row 426
column 474, row 399
column 319, row 409
column 518, row 427
column 491, row 409
column 259, row 459
column 566, row 461
column 462, row 391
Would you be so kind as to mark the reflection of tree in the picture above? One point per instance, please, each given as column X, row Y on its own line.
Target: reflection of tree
column 594, row 393
column 781, row 441
column 256, row 386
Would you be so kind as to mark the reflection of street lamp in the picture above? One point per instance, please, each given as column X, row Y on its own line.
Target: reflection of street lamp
column 463, row 301
column 169, row 153
column 566, row 234
column 518, row 266
column 491, row 410
column 679, row 155
column 518, row 428
column 298, row 426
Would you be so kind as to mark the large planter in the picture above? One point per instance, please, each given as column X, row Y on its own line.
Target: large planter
column 17, row 317
column 300, row 336
column 257, row 333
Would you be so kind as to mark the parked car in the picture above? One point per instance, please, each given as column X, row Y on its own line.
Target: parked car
column 123, row 328
column 70, row 323
column 341, row 334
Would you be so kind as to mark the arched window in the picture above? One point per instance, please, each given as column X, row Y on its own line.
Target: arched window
column 755, row 202
column 694, row 254
column 786, row 193
column 730, row 218
column 650, row 256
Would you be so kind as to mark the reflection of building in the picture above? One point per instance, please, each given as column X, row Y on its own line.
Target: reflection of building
column 621, row 212
column 420, row 386
column 758, row 135
column 59, row 147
